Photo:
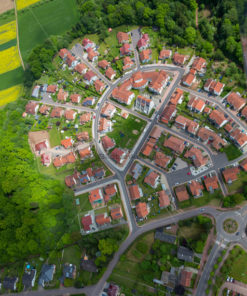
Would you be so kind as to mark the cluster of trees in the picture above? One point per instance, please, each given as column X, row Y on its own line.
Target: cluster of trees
column 32, row 213
column 205, row 224
column 231, row 201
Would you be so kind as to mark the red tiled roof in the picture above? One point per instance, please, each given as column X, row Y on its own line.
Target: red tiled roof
column 181, row 193
column 236, row 101
column 116, row 213
column 198, row 64
column 195, row 188
column 196, row 155
column 89, row 75
column 230, row 174
column 145, row 54
column 116, row 154
column 165, row 53
column 107, row 142
column 44, row 109
column 63, row 52
column 151, row 178
column 31, row 107
column 84, row 153
column 217, row 116
column 108, row 109
column 83, row 136
column 141, row 210
column 176, row 96
column 122, row 37
column 110, row 189
column 85, row 117
column 175, row 144
column 134, row 192
column 196, row 103
column 188, row 78
column 168, row 113
column 161, row 159
column 95, row 195
column 99, row 85
column 211, row 182
column 243, row 164
column 66, row 143
column 62, row 95
column 86, row 221
column 244, row 112
column 80, row 68
column 186, row 277
column 156, row 132
column 164, row 200
column 102, row 219
column 109, row 73
column 178, row 58
column 103, row 64
column 51, row 88
column 75, row 98
column 57, row 112
column 69, row 114
column 125, row 49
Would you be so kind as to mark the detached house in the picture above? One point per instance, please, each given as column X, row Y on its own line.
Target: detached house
column 165, row 54
column 107, row 143
column 85, row 153
column 142, row 210
column 214, row 87
column 103, row 64
column 87, row 43
column 122, row 37
column 70, row 114
column 110, row 73
column 164, row 200
column 230, row 174
column 92, row 55
column 143, row 43
column 96, row 198
column 88, row 101
column 81, row 68
column 71, row 61
column 118, row 155
column 105, row 125
column 235, row 101
column 63, row 52
column 196, row 105
column 31, row 108
column 217, row 118
column 181, row 193
column 124, row 97
column 199, row 64
column 116, row 213
column 196, row 188
column 196, row 156
column 90, row 77
column 177, row 97
column 102, row 219
column 62, row 95
column 239, row 138
column 99, row 86
column 135, row 192
column 152, row 179
column 179, row 59
column 168, row 113
column 145, row 55
column 143, row 104
column 108, row 110
column 211, row 183
column 128, row 63
column 175, row 144
column 75, row 98
column 188, row 79
column 57, row 112
column 125, row 50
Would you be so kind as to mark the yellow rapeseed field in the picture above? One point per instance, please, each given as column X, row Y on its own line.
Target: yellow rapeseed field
column 9, row 59
column 24, row 3
column 7, row 32
column 10, row 94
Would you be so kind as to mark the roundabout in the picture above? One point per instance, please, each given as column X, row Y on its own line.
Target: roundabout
column 230, row 226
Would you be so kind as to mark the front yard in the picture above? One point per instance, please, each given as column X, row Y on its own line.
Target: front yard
column 239, row 184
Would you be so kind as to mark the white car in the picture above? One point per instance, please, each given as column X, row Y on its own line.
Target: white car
column 228, row 279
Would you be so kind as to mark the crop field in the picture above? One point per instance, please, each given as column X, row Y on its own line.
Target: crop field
column 9, row 59
column 24, row 3
column 49, row 18
column 7, row 32
column 10, row 94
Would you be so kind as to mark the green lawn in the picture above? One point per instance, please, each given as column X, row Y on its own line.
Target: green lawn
column 11, row 78
column 232, row 152
column 51, row 18
column 237, row 186
column 85, row 205
column 123, row 130
column 72, row 255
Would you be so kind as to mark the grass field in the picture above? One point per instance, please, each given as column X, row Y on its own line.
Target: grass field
column 10, row 94
column 237, row 186
column 232, row 152
column 49, row 18
column 24, row 3
column 123, row 131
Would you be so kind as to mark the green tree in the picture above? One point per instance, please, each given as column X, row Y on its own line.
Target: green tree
column 190, row 35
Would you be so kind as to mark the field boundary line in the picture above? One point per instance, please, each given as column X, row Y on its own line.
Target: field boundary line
column 17, row 35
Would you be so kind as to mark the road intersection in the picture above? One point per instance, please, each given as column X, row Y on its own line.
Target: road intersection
column 218, row 161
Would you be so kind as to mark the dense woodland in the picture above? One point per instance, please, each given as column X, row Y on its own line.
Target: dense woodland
column 36, row 211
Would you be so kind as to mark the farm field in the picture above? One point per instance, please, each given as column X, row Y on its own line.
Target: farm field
column 24, row 3
column 7, row 32
column 9, row 59
column 10, row 94
column 11, row 78
column 49, row 18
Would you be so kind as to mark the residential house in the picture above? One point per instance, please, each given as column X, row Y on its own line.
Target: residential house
column 41, row 146
column 71, row 61
column 102, row 219
column 143, row 43
column 99, row 86
column 208, row 136
column 145, row 55
column 211, row 183
column 82, row 136
column 179, row 59
column 144, row 104
column 235, row 101
column 90, row 77
column 239, row 138
column 122, row 96
column 75, row 98
column 188, row 79
column 182, row 193
column 63, row 52
column 185, row 278
column 196, row 188
column 128, row 63
column 217, row 118
column 214, row 87
column 57, row 112
column 158, row 81
column 105, row 125
column 228, row 128
column 110, row 73
column 28, row 278
column 186, row 124
column 168, row 113
column 138, row 81
column 67, row 143
column 164, row 237
column 156, row 132
column 85, row 117
column 88, row 264
column 70, row 114
column 89, row 101
column 196, row 105
column 135, row 192
column 85, row 153
column 96, row 198
column 87, row 222
column 46, row 274
column 9, row 283
column 152, row 178
column 87, row 43
column 148, row 148
column 125, row 49
column 108, row 110
column 122, row 37
column 46, row 159
column 35, row 91
column 98, row 173
column 162, row 160
column 103, row 64
column 164, row 200
column 81, row 68
column 175, row 144
column 142, row 210
column 177, row 97
column 230, row 174
column 185, row 254
column 165, row 54
column 92, row 55
column 44, row 110
column 196, row 156
column 31, row 108
column 116, row 213
column 60, row 161
column 118, row 155
column 51, row 88
column 62, row 95
column 136, row 170
column 107, row 143
column 69, row 271
column 113, row 290
column 199, row 64
column 110, row 191
column 244, row 112
column 243, row 164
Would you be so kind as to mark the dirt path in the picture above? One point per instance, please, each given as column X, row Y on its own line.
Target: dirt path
column 17, row 35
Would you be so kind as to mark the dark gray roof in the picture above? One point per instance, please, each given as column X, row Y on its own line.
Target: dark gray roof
column 89, row 265
column 185, row 254
column 28, row 277
column 68, row 270
column 9, row 283
column 46, row 274
column 164, row 237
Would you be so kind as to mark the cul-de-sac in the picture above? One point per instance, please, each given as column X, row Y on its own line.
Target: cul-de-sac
column 124, row 148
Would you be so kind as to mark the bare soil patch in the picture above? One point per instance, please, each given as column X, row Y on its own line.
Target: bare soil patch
column 135, row 132
column 137, row 120
column 6, row 5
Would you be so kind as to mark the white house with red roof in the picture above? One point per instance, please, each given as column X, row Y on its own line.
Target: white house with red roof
column 87, row 43
column 90, row 77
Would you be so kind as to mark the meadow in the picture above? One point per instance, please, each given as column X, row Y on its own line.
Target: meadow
column 40, row 22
